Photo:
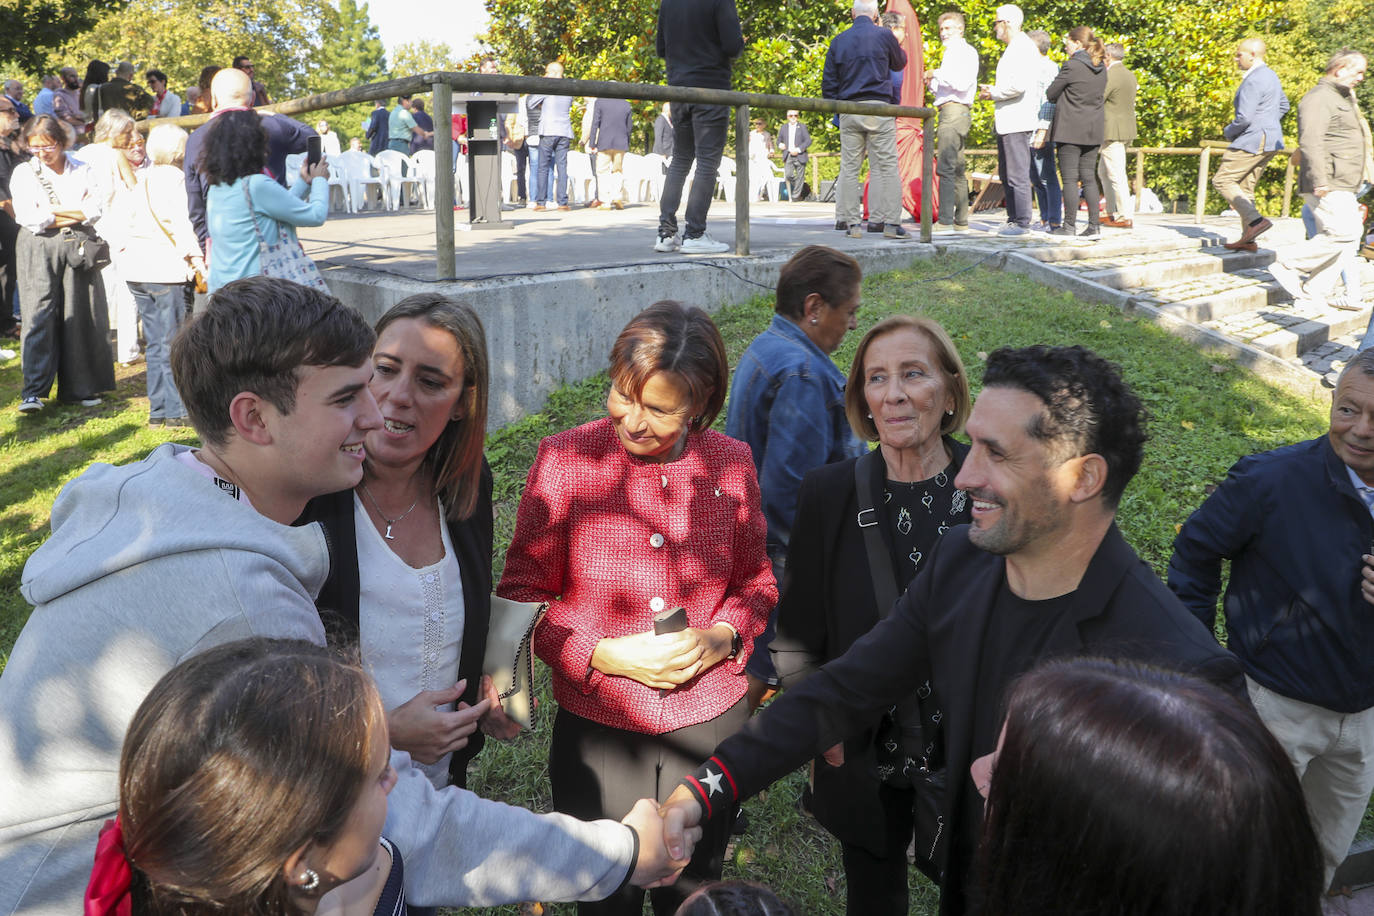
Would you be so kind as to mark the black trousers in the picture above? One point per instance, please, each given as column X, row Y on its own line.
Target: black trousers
column 698, row 136
column 1013, row 167
column 599, row 771
column 66, row 334
column 1077, row 164
column 877, row 885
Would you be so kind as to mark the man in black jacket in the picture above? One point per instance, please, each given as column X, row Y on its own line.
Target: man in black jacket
column 1042, row 571
column 1295, row 524
column 697, row 39
column 378, row 128
column 794, row 140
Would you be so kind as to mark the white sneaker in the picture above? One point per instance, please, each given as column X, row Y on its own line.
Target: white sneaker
column 1012, row 230
column 1288, row 278
column 703, row 244
column 90, row 402
column 29, row 405
column 668, row 243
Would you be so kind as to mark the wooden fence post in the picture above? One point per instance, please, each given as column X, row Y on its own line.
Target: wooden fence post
column 445, row 259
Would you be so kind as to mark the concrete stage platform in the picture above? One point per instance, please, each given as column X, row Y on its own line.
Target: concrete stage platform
column 556, row 288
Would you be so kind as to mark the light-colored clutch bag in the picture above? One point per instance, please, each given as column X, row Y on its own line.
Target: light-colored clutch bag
column 509, row 659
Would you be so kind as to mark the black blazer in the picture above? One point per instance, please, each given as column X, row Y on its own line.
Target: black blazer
column 803, row 142
column 1077, row 93
column 338, row 599
column 1120, row 609
column 827, row 603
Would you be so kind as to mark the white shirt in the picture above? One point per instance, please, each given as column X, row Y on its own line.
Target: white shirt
column 1018, row 71
column 1048, row 71
column 169, row 107
column 329, row 143
column 1363, row 490
column 134, row 226
column 410, row 621
column 956, row 79
column 77, row 188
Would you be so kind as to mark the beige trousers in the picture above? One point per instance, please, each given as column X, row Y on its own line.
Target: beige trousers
column 1111, row 172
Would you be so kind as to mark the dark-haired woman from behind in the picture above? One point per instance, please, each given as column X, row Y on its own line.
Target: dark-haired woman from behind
column 244, row 204
column 625, row 519
column 226, row 812
column 1079, row 125
column 1137, row 791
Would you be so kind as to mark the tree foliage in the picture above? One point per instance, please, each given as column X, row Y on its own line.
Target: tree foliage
column 180, row 37
column 415, row 57
column 35, row 27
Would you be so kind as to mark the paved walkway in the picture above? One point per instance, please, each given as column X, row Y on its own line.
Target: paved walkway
column 1167, row 266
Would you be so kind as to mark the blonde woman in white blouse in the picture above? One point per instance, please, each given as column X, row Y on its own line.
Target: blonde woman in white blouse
column 66, row 334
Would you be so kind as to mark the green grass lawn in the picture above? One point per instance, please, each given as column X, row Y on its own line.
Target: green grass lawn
column 1206, row 413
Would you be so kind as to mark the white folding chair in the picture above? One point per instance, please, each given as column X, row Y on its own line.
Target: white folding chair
column 580, row 177
column 400, row 173
column 725, row 178
column 509, row 186
column 358, row 170
column 424, row 170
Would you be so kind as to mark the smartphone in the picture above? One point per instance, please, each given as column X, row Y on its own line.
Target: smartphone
column 673, row 620
column 312, row 151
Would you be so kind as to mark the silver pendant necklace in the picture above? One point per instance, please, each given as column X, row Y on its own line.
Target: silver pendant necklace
column 389, row 521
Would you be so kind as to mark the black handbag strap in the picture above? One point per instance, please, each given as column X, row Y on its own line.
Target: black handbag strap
column 866, row 469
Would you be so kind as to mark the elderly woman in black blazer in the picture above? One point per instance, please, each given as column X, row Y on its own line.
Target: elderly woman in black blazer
column 1079, row 125
column 908, row 391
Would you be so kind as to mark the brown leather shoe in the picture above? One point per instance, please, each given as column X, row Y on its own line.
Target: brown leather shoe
column 537, row 207
column 1117, row 223
column 1241, row 246
column 594, row 204
column 565, row 207
column 1253, row 232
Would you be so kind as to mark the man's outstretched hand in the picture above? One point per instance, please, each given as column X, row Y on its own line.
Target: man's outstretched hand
column 657, row 866
column 681, row 815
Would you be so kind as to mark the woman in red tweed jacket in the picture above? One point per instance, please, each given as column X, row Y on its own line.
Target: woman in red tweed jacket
column 624, row 518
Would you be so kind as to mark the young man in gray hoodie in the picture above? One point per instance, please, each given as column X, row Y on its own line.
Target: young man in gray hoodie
column 155, row 561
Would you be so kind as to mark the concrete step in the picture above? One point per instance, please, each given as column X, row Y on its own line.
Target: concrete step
column 1214, row 297
column 1157, row 269
column 1289, row 329
column 1117, row 244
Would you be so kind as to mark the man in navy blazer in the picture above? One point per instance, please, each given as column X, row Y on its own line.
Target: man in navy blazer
column 609, row 138
column 794, row 140
column 1255, row 134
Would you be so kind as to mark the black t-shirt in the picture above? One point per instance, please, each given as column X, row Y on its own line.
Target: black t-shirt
column 1019, row 634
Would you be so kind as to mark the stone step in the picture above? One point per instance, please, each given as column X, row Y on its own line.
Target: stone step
column 1214, row 297
column 1117, row 244
column 1288, row 329
column 1165, row 268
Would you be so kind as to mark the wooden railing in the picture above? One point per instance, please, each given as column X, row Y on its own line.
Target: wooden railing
column 443, row 82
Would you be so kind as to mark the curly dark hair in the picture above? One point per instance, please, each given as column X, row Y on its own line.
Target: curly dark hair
column 734, row 898
column 1089, row 409
column 236, row 146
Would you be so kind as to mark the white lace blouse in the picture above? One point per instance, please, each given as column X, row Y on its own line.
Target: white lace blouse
column 410, row 621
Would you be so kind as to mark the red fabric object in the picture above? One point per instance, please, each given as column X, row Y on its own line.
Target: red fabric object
column 621, row 539
column 107, row 894
column 460, row 131
column 910, row 135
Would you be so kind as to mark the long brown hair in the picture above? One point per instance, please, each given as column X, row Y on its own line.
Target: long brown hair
column 455, row 458
column 236, row 759
column 1086, row 37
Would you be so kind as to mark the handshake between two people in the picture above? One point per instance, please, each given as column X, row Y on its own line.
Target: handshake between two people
column 667, row 835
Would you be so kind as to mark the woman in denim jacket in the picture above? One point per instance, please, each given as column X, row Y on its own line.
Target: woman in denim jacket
column 787, row 402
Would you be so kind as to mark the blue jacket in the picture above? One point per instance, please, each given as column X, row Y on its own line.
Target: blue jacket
column 1260, row 105
column 787, row 404
column 1293, row 528
column 611, row 126
column 860, row 61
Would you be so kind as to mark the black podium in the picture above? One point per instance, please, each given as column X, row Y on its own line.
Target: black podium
column 484, row 111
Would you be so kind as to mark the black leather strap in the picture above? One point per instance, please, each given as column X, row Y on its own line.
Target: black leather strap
column 879, row 560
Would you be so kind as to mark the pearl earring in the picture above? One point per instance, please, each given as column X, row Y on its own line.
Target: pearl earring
column 310, row 881
column 813, row 321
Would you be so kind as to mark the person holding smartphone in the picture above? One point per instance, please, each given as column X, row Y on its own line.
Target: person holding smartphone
column 625, row 518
